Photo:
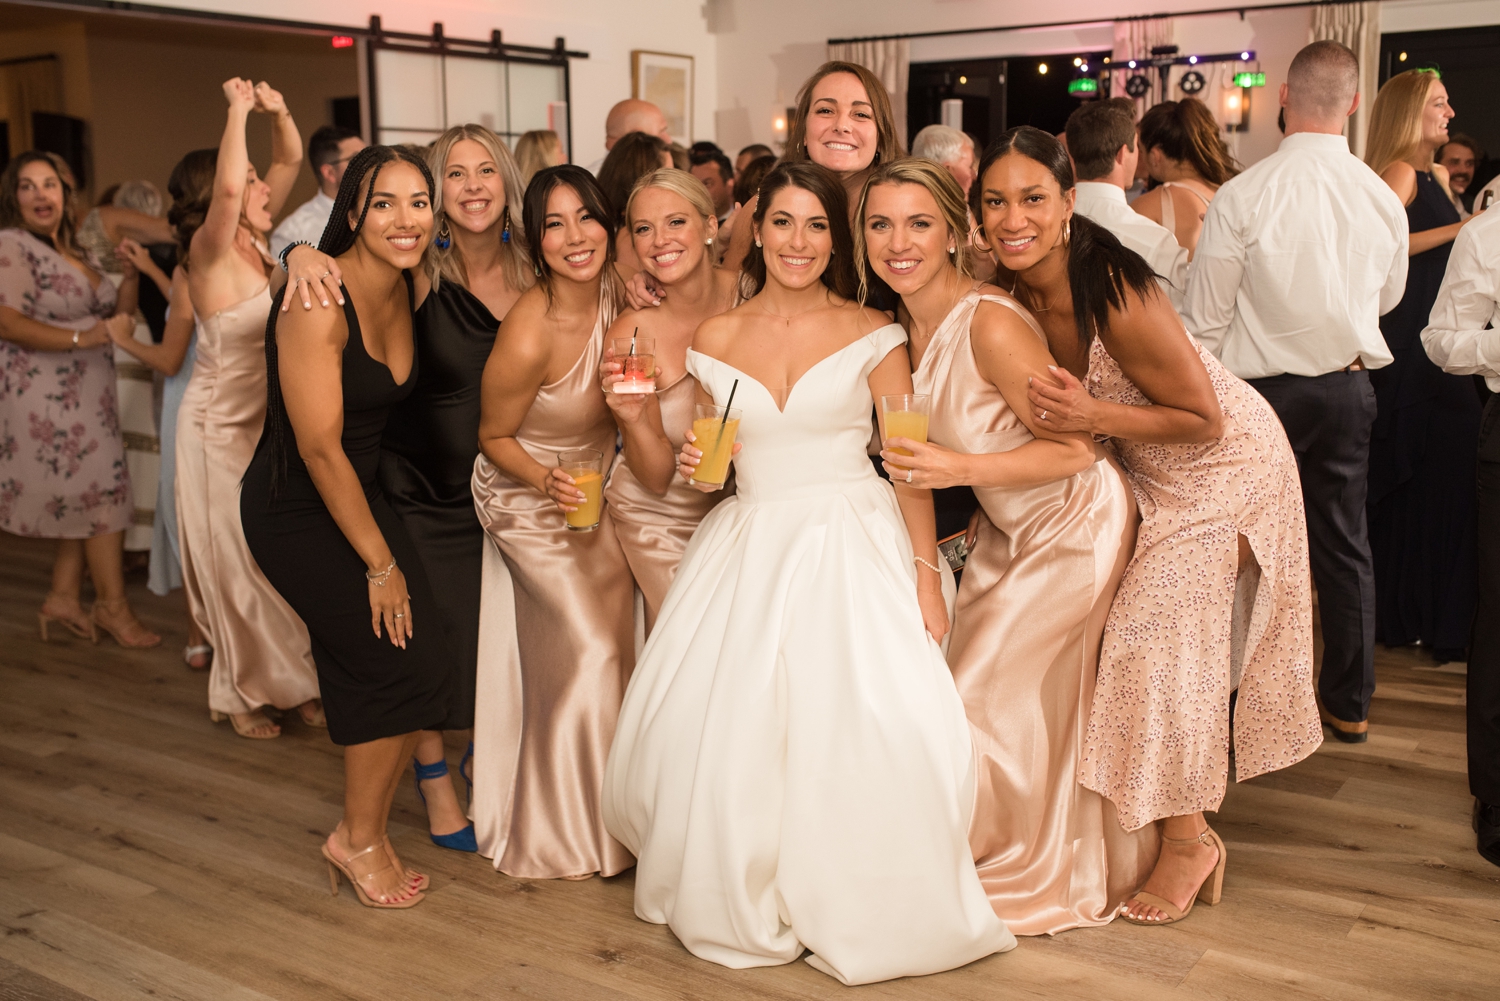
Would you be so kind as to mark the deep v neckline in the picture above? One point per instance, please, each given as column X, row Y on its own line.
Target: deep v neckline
column 800, row 379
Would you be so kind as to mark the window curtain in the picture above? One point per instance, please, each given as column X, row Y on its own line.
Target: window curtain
column 27, row 85
column 1357, row 25
column 1134, row 40
column 889, row 60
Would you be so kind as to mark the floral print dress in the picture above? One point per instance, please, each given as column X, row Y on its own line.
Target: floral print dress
column 62, row 458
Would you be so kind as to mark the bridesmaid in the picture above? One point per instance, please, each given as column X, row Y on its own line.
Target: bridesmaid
column 672, row 228
column 541, row 757
column 1046, row 557
column 1216, row 598
column 262, row 655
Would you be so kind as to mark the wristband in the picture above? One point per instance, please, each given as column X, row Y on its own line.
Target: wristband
column 281, row 257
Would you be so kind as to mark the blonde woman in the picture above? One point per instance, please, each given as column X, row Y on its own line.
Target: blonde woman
column 1422, row 501
column 535, row 151
column 475, row 269
column 671, row 225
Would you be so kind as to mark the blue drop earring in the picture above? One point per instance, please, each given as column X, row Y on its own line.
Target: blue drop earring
column 443, row 241
column 505, row 233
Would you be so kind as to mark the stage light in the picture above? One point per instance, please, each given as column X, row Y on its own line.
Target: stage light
column 1244, row 57
column 1083, row 85
column 1106, row 60
column 963, row 79
column 1402, row 57
column 342, row 42
column 1041, row 68
column 1249, row 79
column 1077, row 60
column 1193, row 60
column 1131, row 64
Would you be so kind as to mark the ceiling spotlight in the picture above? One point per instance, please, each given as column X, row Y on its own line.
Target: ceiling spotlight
column 1402, row 57
column 1041, row 68
column 1106, row 60
column 963, row 79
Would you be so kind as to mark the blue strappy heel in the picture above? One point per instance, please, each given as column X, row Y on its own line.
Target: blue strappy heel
column 459, row 841
column 466, row 772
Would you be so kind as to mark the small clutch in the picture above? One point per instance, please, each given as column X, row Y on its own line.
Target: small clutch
column 954, row 549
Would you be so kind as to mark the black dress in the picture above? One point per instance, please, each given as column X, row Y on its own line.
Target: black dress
column 427, row 463
column 370, row 688
column 1421, row 500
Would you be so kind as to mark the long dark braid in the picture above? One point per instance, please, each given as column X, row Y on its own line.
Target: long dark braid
column 338, row 238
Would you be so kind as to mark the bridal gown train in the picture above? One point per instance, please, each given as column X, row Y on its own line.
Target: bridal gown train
column 792, row 765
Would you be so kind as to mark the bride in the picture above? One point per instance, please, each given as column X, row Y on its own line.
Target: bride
column 791, row 765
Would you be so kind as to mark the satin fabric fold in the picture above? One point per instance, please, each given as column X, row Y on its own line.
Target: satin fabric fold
column 1024, row 651
column 548, row 692
column 262, row 652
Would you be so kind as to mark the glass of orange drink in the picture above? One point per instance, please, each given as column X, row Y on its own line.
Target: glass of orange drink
column 715, row 429
column 637, row 359
column 586, row 467
column 906, row 417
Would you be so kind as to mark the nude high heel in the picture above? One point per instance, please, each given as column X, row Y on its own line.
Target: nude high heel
column 381, row 862
column 83, row 628
column 131, row 634
column 1210, row 892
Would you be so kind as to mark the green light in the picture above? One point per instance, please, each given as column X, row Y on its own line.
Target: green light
column 1249, row 79
column 1083, row 85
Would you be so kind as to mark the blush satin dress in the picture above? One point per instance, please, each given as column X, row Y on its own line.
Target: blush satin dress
column 556, row 647
column 1024, row 651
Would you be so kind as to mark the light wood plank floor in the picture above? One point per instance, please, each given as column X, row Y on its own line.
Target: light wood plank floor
column 145, row 852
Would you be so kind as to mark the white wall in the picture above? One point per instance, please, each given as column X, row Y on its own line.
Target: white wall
column 606, row 29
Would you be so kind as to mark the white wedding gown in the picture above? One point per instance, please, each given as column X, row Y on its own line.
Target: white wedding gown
column 792, row 765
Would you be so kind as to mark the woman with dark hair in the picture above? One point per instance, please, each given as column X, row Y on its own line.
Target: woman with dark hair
column 1185, row 155
column 792, row 764
column 634, row 155
column 1216, row 599
column 62, row 459
column 1044, row 561
column 557, row 633
column 317, row 522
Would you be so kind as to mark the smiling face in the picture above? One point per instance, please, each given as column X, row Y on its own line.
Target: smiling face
column 39, row 191
column 255, row 208
column 473, row 190
column 796, row 238
column 1023, row 211
column 841, row 131
column 1436, row 114
column 1460, row 161
column 907, row 240
column 668, row 234
column 399, row 220
column 574, row 243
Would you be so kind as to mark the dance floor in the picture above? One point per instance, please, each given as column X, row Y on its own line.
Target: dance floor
column 146, row 852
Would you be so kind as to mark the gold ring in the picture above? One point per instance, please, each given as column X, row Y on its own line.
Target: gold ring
column 400, row 615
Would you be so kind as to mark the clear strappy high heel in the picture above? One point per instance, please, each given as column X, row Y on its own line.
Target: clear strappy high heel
column 381, row 862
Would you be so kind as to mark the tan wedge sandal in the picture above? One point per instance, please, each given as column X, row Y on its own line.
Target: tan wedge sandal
column 1210, row 892
column 378, row 864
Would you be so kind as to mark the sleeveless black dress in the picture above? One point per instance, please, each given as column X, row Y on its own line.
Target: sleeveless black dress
column 427, row 463
column 1421, row 500
column 370, row 688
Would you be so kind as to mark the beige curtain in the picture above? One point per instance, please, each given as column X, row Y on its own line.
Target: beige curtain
column 1134, row 40
column 26, row 86
column 1357, row 25
column 888, row 59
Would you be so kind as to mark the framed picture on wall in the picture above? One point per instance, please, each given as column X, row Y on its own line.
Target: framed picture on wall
column 666, row 81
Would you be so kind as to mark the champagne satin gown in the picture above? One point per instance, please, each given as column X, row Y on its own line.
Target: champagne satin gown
column 262, row 653
column 1024, row 650
column 654, row 529
column 556, row 647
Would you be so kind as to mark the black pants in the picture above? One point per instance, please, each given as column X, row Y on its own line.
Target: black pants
column 1328, row 420
column 1484, row 646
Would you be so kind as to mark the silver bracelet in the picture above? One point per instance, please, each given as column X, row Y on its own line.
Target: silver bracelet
column 929, row 566
column 379, row 578
column 75, row 338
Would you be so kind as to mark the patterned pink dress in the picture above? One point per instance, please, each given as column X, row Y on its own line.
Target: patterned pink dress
column 62, row 458
column 1158, row 734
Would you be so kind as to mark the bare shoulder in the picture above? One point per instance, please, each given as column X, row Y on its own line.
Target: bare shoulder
column 714, row 334
column 627, row 321
column 1402, row 179
column 868, row 318
column 1149, row 204
column 312, row 327
column 997, row 324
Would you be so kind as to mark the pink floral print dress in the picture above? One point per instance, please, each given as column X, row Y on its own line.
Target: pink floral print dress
column 62, row 458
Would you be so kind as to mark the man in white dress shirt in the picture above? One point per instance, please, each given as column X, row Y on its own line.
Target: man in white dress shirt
column 1299, row 257
column 1458, row 342
column 328, row 153
column 1102, row 142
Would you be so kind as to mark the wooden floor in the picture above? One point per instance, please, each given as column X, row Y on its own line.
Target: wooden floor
column 145, row 852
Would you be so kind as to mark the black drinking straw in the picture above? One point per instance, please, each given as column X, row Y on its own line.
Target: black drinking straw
column 725, row 420
column 632, row 340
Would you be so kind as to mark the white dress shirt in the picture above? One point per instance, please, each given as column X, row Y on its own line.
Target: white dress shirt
column 1469, row 298
column 307, row 223
column 1105, row 204
column 1299, row 258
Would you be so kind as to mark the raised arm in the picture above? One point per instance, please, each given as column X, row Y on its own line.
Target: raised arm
column 167, row 356
column 286, row 147
column 128, row 224
column 216, row 236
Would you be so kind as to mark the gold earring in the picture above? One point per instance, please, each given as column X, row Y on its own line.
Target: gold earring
column 1068, row 231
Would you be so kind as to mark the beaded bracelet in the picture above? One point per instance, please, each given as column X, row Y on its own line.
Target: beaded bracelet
column 379, row 579
column 929, row 566
column 287, row 250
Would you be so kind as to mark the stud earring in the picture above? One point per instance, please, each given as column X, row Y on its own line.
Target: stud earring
column 757, row 242
column 709, row 242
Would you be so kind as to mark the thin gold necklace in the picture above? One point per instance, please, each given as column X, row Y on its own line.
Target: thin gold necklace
column 788, row 319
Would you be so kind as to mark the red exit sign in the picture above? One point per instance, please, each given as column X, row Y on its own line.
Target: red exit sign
column 343, row 42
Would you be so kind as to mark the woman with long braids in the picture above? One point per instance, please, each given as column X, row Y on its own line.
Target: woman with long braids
column 1045, row 558
column 1216, row 599
column 672, row 229
column 554, row 656
column 474, row 271
column 322, row 531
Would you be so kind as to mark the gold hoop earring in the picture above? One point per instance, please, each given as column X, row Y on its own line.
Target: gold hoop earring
column 1068, row 231
column 979, row 239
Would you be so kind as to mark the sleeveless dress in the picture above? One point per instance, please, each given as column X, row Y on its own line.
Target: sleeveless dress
column 1024, row 652
column 1174, row 647
column 654, row 529
column 1169, row 208
column 1423, row 520
column 427, row 461
column 371, row 688
column 164, row 573
column 556, row 646
column 792, row 764
column 262, row 654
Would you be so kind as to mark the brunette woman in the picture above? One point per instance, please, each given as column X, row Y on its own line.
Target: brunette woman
column 672, row 229
column 1183, row 151
column 319, row 526
column 633, row 157
column 555, row 654
column 1057, row 529
column 58, row 314
column 1216, row 598
column 1422, row 475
